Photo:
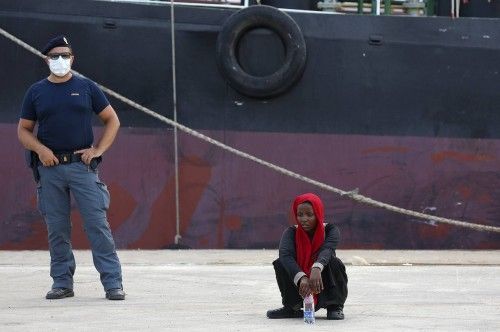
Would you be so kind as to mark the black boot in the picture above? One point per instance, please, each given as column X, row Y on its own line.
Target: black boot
column 59, row 293
column 115, row 294
column 284, row 313
column 334, row 312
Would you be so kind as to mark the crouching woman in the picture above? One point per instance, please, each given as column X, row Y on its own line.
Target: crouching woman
column 307, row 263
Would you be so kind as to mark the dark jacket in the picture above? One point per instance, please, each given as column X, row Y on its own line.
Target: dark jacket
column 288, row 257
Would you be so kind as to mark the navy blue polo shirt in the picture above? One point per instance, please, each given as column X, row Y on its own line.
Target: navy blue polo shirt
column 64, row 112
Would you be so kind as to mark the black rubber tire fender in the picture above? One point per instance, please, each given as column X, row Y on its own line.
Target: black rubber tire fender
column 261, row 17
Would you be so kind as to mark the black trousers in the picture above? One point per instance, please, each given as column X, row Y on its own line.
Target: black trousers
column 334, row 286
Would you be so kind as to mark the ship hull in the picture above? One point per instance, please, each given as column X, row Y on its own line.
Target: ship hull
column 405, row 109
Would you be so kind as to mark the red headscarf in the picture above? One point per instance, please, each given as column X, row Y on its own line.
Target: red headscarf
column 307, row 249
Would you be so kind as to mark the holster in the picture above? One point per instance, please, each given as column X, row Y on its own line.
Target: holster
column 95, row 162
column 32, row 162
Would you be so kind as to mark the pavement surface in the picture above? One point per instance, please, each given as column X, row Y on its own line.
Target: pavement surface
column 230, row 290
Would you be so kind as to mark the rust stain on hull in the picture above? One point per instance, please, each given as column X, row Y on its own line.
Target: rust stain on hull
column 439, row 157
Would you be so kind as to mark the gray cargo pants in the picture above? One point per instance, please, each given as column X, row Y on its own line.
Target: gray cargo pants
column 92, row 198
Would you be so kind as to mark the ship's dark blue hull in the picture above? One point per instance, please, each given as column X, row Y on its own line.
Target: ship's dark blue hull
column 406, row 109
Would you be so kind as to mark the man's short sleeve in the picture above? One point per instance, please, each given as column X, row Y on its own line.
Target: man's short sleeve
column 99, row 100
column 28, row 110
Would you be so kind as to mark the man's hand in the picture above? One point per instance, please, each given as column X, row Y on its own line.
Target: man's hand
column 304, row 288
column 25, row 134
column 88, row 154
column 315, row 281
column 47, row 157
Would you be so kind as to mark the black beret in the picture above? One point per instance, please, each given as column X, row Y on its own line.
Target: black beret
column 56, row 42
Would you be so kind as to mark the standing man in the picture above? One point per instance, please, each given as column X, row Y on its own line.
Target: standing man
column 64, row 161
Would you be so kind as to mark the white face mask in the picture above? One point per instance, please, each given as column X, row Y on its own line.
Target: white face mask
column 60, row 67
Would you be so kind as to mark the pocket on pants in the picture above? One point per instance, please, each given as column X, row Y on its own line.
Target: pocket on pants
column 39, row 200
column 103, row 190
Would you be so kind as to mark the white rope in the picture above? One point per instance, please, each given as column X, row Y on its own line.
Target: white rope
column 176, row 148
column 351, row 194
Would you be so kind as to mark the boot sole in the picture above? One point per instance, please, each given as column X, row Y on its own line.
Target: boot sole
column 115, row 298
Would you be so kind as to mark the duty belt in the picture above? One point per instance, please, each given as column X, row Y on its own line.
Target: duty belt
column 68, row 158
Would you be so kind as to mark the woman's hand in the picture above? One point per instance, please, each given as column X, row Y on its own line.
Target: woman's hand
column 304, row 288
column 315, row 281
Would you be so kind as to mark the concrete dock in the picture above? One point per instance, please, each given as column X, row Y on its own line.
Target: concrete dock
column 230, row 290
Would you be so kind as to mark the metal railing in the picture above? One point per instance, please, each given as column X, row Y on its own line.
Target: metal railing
column 381, row 7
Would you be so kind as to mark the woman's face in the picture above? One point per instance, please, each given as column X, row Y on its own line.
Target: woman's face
column 306, row 217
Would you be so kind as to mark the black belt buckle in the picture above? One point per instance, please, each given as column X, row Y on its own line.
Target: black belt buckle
column 65, row 158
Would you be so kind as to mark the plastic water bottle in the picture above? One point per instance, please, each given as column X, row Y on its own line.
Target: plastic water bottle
column 309, row 309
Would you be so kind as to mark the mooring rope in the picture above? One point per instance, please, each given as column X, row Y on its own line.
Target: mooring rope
column 354, row 195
